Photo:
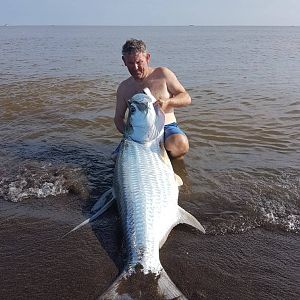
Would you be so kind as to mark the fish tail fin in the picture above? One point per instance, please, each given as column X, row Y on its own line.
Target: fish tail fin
column 112, row 292
column 187, row 218
column 167, row 287
column 124, row 287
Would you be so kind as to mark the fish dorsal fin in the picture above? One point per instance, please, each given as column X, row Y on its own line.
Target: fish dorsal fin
column 178, row 180
column 166, row 160
column 163, row 153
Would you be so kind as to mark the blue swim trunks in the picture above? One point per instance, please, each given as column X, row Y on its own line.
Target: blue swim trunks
column 171, row 129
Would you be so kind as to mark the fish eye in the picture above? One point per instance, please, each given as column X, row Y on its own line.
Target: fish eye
column 132, row 109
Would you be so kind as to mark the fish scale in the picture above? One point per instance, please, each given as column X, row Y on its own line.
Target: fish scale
column 144, row 200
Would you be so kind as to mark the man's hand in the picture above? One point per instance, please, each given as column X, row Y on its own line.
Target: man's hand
column 163, row 103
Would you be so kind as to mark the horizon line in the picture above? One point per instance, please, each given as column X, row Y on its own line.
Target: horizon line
column 187, row 25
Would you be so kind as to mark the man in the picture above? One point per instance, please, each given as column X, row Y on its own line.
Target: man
column 163, row 85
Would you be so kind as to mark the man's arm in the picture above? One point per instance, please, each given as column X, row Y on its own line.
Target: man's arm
column 120, row 111
column 180, row 96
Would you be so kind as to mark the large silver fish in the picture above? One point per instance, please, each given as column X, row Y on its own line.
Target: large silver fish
column 146, row 189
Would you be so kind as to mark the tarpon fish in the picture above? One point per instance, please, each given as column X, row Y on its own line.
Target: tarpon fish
column 146, row 190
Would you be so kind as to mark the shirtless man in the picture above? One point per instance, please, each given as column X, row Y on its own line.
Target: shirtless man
column 164, row 86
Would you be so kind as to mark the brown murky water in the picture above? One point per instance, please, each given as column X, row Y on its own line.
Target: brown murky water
column 241, row 175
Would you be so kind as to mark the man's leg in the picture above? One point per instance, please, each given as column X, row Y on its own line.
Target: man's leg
column 176, row 142
column 177, row 145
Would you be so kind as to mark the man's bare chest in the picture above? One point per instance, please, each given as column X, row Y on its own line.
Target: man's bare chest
column 157, row 87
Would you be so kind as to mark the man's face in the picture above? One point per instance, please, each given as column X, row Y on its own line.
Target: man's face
column 137, row 64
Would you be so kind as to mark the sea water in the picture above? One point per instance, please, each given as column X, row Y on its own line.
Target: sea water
column 241, row 176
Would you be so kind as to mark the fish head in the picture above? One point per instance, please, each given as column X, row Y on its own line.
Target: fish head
column 145, row 121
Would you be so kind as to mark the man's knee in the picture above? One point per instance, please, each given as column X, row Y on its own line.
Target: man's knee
column 177, row 145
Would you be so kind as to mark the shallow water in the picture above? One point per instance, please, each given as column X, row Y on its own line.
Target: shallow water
column 241, row 175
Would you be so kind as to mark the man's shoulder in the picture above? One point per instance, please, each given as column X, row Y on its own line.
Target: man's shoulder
column 162, row 71
column 124, row 85
column 125, row 82
column 125, row 89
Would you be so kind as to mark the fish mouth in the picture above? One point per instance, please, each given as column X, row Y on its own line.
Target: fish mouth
column 145, row 121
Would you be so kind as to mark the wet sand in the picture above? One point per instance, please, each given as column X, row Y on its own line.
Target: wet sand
column 37, row 264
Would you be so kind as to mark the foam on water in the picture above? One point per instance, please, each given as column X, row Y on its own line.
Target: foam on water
column 242, row 200
column 38, row 180
column 19, row 189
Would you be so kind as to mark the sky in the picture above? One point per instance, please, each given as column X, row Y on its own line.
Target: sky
column 151, row 12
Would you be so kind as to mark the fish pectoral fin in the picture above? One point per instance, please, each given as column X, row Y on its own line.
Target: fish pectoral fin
column 107, row 205
column 167, row 287
column 178, row 180
column 187, row 218
column 184, row 217
column 105, row 197
column 165, row 236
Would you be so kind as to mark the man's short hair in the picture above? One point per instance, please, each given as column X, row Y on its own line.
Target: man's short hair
column 134, row 46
